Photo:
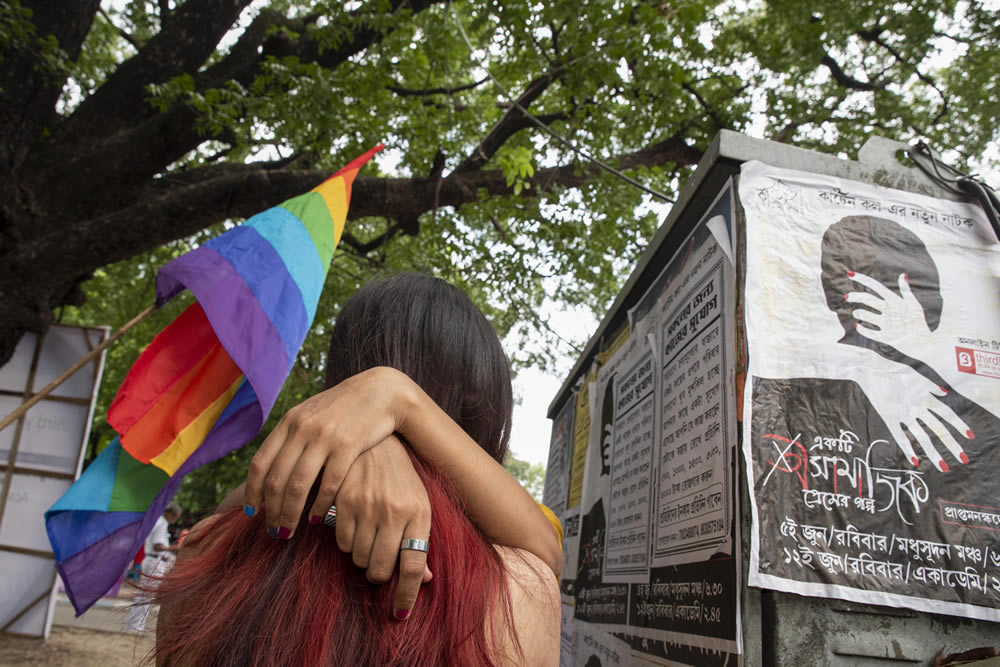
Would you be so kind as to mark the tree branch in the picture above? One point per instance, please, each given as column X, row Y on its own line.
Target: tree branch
column 32, row 76
column 704, row 105
column 846, row 80
column 124, row 34
column 181, row 46
column 512, row 122
column 877, row 39
column 412, row 92
column 166, row 137
column 309, row 50
column 363, row 248
column 171, row 210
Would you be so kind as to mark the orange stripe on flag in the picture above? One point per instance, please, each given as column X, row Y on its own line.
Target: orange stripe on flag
column 186, row 400
column 194, row 434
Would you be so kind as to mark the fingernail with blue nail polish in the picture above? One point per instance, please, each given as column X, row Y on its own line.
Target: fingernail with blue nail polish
column 249, row 510
column 272, row 532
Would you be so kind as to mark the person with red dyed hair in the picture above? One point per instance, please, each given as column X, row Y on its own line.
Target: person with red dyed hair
column 408, row 442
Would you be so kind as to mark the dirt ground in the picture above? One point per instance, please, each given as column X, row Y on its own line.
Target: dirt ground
column 77, row 647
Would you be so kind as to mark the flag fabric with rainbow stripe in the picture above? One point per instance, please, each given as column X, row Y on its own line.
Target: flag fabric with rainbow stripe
column 206, row 383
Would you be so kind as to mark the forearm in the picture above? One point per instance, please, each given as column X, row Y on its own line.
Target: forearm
column 496, row 502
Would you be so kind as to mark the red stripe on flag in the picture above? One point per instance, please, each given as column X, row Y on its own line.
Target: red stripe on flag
column 172, row 354
column 185, row 401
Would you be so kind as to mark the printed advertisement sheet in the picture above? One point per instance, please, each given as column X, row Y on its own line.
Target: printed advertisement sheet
column 656, row 568
column 871, row 415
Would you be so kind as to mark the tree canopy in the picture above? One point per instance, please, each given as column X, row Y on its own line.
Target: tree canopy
column 129, row 131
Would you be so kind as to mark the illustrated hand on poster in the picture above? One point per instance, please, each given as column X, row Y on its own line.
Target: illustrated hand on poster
column 894, row 320
column 913, row 402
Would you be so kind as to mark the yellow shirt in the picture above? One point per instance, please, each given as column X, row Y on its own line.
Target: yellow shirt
column 554, row 520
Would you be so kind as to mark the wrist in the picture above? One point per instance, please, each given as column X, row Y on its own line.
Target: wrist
column 405, row 395
column 923, row 348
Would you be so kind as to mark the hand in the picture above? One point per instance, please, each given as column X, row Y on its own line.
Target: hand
column 906, row 398
column 327, row 432
column 896, row 321
column 382, row 502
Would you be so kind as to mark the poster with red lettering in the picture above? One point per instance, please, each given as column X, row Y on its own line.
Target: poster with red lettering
column 872, row 408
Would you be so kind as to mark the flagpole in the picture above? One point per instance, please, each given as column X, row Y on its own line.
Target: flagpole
column 83, row 361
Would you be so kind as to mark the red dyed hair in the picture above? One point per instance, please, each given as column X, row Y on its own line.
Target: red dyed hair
column 244, row 599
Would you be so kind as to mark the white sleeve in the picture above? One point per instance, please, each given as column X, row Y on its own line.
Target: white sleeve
column 159, row 535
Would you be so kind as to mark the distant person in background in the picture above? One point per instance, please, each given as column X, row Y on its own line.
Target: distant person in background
column 159, row 551
column 158, row 558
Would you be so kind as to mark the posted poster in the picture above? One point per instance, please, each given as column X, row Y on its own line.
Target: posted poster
column 871, row 415
column 571, row 516
column 556, row 487
column 656, row 568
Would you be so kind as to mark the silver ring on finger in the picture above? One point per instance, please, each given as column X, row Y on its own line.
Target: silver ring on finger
column 413, row 544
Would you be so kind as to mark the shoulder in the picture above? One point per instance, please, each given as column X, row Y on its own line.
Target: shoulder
column 535, row 603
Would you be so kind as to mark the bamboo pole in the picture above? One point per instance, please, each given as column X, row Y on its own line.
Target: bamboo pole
column 83, row 361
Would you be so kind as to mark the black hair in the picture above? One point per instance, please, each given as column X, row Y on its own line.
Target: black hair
column 434, row 333
column 882, row 250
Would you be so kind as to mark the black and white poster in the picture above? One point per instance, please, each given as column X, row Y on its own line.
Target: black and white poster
column 656, row 569
column 871, row 413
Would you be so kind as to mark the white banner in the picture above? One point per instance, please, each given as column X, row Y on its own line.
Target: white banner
column 46, row 447
column 871, row 413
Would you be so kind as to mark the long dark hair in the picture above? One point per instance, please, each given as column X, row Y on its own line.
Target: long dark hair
column 431, row 331
column 246, row 599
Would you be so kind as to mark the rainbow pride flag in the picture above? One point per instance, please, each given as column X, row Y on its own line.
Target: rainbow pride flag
column 206, row 383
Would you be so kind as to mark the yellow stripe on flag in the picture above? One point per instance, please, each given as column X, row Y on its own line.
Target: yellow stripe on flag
column 193, row 434
column 334, row 193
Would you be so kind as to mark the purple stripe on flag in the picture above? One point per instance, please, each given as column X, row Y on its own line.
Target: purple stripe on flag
column 91, row 573
column 73, row 531
column 264, row 272
column 242, row 326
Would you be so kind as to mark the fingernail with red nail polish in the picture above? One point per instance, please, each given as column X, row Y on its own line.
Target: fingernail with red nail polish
column 283, row 533
column 847, row 297
column 850, row 274
column 944, row 466
column 943, row 389
column 915, row 461
column 963, row 457
column 315, row 519
column 906, row 278
column 272, row 532
column 970, row 435
column 402, row 614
